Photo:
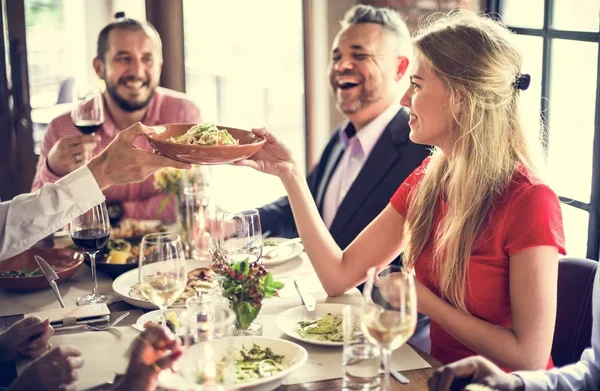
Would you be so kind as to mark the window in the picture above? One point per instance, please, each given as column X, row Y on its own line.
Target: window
column 61, row 44
column 244, row 68
column 559, row 40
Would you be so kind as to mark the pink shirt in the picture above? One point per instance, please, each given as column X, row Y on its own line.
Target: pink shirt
column 139, row 200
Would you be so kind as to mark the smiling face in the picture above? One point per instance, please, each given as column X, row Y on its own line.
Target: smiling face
column 130, row 68
column 364, row 71
column 428, row 103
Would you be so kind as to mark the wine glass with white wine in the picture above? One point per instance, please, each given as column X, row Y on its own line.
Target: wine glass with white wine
column 162, row 269
column 389, row 311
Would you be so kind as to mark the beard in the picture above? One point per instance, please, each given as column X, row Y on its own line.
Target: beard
column 354, row 104
column 123, row 103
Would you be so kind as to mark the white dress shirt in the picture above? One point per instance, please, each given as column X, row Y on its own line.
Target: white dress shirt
column 356, row 152
column 31, row 217
column 582, row 375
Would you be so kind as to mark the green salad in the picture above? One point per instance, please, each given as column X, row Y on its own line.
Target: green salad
column 22, row 273
column 327, row 328
column 257, row 363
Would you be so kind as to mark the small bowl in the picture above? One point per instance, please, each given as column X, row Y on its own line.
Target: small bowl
column 250, row 143
column 66, row 262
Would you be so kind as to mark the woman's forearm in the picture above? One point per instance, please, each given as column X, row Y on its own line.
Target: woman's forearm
column 494, row 342
column 323, row 252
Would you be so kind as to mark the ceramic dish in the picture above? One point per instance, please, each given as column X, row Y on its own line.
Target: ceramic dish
column 122, row 285
column 156, row 316
column 280, row 255
column 288, row 320
column 294, row 356
column 249, row 144
column 66, row 262
column 132, row 232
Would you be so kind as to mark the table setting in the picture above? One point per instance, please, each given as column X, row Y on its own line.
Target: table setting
column 249, row 308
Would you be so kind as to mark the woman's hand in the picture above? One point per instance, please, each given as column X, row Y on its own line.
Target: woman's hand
column 55, row 370
column 151, row 352
column 27, row 337
column 476, row 370
column 273, row 158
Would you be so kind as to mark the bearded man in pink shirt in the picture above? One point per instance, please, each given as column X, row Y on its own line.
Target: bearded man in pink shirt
column 129, row 60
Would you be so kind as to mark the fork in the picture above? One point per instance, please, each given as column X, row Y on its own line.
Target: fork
column 106, row 326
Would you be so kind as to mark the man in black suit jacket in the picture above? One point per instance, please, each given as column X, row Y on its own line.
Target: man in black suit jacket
column 369, row 57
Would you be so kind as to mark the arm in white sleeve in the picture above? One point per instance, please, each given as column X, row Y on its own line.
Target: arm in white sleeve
column 580, row 376
column 28, row 218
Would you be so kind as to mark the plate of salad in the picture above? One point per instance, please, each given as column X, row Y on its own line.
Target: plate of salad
column 323, row 326
column 257, row 364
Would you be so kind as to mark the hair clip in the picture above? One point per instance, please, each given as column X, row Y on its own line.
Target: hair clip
column 522, row 82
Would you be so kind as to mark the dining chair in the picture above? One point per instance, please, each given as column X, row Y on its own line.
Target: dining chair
column 573, row 328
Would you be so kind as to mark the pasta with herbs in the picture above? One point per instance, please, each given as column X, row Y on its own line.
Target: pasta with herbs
column 205, row 134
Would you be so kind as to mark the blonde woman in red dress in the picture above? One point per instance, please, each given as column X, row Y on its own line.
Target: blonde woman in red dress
column 481, row 230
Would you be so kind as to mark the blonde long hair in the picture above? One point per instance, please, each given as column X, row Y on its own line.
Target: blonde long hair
column 474, row 58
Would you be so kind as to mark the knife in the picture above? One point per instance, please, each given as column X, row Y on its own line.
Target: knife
column 308, row 299
column 51, row 276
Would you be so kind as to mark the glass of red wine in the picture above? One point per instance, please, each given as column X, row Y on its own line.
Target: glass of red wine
column 88, row 114
column 90, row 233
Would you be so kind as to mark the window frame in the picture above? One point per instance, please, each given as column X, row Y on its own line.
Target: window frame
column 548, row 33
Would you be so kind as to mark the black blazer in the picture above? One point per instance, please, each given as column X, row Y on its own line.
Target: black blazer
column 392, row 159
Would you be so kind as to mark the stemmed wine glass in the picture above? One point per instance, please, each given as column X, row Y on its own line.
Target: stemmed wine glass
column 241, row 236
column 389, row 311
column 90, row 233
column 162, row 269
column 88, row 114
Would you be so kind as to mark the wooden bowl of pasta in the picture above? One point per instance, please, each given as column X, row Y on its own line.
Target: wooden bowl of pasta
column 227, row 145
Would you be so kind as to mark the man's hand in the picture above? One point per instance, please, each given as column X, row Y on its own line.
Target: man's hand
column 27, row 337
column 151, row 352
column 123, row 162
column 471, row 370
column 70, row 153
column 55, row 370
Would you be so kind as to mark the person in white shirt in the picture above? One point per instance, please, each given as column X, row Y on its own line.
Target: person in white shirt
column 28, row 218
column 583, row 375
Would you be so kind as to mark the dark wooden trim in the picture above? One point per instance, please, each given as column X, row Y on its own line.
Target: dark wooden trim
column 593, row 244
column 167, row 18
column 310, row 149
column 22, row 158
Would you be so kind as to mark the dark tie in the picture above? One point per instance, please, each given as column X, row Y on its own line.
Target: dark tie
column 350, row 131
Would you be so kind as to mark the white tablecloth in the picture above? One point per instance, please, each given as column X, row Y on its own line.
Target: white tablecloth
column 103, row 352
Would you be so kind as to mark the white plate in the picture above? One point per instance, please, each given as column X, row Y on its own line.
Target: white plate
column 294, row 356
column 282, row 255
column 288, row 320
column 155, row 316
column 122, row 285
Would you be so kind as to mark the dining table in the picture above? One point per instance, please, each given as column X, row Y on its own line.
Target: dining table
column 105, row 352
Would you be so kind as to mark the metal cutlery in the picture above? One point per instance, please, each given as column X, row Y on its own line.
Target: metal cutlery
column 51, row 276
column 398, row 376
column 309, row 300
column 106, row 326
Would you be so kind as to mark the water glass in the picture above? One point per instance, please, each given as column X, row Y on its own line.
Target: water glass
column 241, row 236
column 209, row 359
column 198, row 212
column 361, row 359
